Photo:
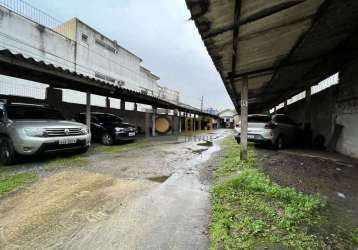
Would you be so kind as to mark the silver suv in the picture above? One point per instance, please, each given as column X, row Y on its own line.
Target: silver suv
column 278, row 130
column 31, row 129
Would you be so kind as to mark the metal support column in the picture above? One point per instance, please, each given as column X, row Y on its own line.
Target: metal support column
column 88, row 109
column 244, row 114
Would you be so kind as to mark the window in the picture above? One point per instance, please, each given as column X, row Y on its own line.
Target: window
column 105, row 46
column 259, row 118
column 31, row 112
column 84, row 38
column 99, row 75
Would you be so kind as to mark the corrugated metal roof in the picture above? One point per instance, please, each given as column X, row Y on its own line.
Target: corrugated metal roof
column 278, row 42
column 17, row 65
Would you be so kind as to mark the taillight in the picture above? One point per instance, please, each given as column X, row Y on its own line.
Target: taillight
column 270, row 125
column 237, row 125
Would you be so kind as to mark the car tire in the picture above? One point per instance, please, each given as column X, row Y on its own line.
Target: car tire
column 107, row 139
column 8, row 154
column 237, row 140
column 280, row 142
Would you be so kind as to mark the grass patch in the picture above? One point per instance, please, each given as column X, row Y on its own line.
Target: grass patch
column 13, row 182
column 249, row 211
column 115, row 149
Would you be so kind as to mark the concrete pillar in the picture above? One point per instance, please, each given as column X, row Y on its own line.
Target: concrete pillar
column 285, row 107
column 186, row 125
column 135, row 107
column 244, row 114
column 108, row 103
column 179, row 122
column 171, row 117
column 194, row 123
column 54, row 97
column 154, row 115
column 147, row 124
column 199, row 123
column 123, row 104
column 308, row 105
column 88, row 109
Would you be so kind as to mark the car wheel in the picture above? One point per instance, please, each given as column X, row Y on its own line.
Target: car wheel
column 280, row 142
column 107, row 139
column 7, row 152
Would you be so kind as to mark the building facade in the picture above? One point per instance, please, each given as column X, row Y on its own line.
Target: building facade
column 77, row 47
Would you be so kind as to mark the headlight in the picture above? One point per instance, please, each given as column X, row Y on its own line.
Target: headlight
column 36, row 132
column 84, row 131
column 119, row 129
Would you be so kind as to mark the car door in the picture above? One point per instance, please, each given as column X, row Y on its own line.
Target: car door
column 284, row 128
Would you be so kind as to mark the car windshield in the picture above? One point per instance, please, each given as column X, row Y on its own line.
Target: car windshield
column 32, row 112
column 107, row 118
column 259, row 118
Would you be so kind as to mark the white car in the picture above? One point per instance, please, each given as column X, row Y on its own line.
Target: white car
column 278, row 130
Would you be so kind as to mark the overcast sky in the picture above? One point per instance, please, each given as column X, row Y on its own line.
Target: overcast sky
column 159, row 32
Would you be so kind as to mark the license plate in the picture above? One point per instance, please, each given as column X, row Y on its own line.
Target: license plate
column 131, row 134
column 67, row 141
column 251, row 136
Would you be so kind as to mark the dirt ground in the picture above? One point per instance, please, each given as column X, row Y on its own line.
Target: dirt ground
column 331, row 175
column 152, row 197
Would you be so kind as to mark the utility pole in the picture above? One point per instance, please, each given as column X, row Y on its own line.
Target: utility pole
column 202, row 103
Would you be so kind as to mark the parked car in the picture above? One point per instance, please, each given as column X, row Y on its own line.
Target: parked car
column 108, row 128
column 31, row 129
column 278, row 130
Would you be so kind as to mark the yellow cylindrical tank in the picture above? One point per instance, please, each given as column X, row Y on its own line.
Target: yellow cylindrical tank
column 162, row 125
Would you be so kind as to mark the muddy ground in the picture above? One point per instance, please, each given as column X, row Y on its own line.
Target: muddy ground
column 330, row 175
column 151, row 197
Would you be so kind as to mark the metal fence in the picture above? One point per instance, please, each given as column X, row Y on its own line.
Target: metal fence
column 19, row 87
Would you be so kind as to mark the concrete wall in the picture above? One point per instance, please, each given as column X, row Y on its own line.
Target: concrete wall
column 20, row 35
column 335, row 105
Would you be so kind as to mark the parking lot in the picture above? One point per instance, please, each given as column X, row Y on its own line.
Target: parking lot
column 112, row 195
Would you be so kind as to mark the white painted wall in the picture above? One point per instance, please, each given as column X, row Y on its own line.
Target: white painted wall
column 23, row 36
column 20, row 35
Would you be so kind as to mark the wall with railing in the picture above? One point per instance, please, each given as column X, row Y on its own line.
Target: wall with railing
column 31, row 32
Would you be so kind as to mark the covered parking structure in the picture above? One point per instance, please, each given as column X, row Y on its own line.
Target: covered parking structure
column 268, row 51
column 18, row 66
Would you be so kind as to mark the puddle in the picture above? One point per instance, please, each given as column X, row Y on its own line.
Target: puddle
column 206, row 144
column 199, row 151
column 160, row 179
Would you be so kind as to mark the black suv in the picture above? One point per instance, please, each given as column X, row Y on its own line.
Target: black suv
column 108, row 128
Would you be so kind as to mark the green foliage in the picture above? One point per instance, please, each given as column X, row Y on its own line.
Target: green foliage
column 12, row 182
column 250, row 211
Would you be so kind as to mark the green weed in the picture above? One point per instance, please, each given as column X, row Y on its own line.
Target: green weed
column 12, row 182
column 249, row 211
